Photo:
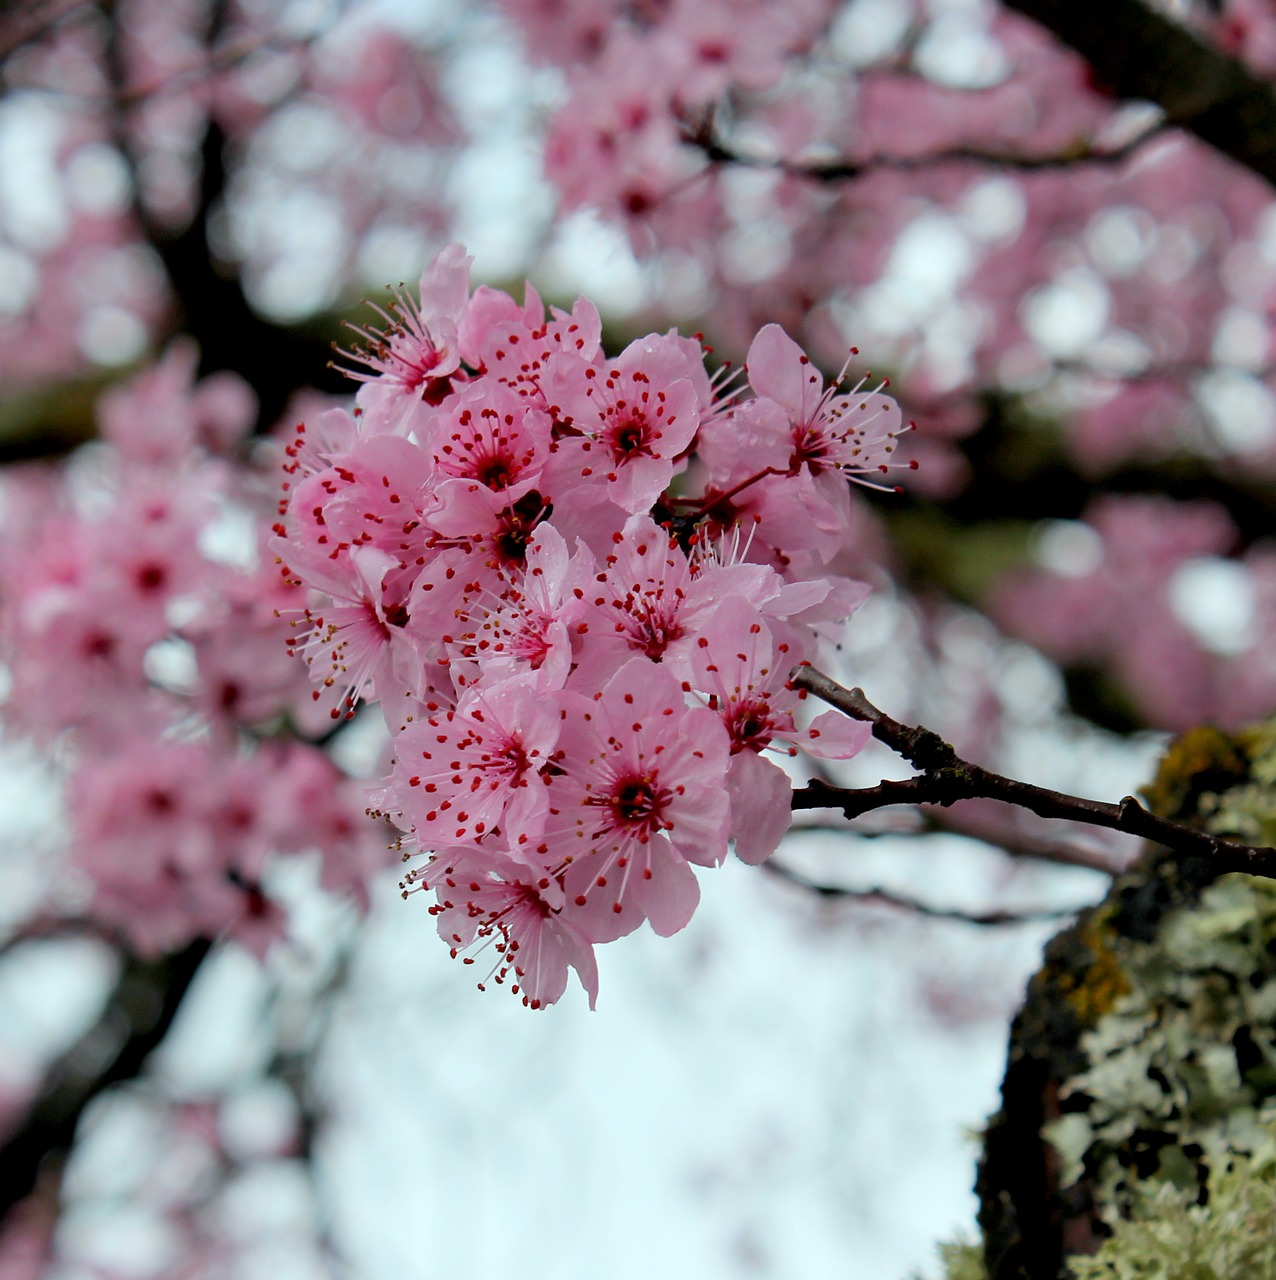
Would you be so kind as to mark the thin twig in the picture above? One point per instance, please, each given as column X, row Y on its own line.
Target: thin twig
column 1017, row 843
column 945, row 777
column 889, row 898
column 24, row 24
column 716, row 151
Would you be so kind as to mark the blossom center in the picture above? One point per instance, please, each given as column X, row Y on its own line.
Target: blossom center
column 638, row 803
column 629, row 438
column 750, row 725
column 518, row 523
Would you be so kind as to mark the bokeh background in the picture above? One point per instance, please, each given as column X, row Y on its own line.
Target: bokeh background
column 1068, row 279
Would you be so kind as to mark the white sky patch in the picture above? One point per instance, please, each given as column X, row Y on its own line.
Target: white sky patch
column 866, row 30
column 1215, row 599
column 128, row 1239
column 49, row 990
column 257, row 1120
column 1265, row 235
column 1119, row 240
column 992, row 210
column 685, row 288
column 270, row 1198
column 588, row 257
column 18, row 281
column 231, row 538
column 361, row 748
column 219, row 1038
column 97, row 179
column 755, row 251
column 1176, row 251
column 392, row 253
column 31, row 209
column 502, row 205
column 111, row 335
column 1240, row 410
column 1242, row 338
column 490, row 82
column 928, row 261
column 304, row 231
column 304, row 137
column 841, row 1139
column 1121, row 353
column 1069, row 548
column 958, row 50
column 1069, row 314
column 1028, row 683
column 171, row 664
column 1247, row 275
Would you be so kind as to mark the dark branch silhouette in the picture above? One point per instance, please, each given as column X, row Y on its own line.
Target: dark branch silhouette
column 889, row 898
column 718, row 151
column 945, row 777
column 136, row 1019
column 1138, row 53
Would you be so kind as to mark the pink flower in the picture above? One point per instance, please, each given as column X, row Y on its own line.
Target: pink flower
column 531, row 630
column 411, row 358
column 460, row 774
column 491, row 435
column 515, row 345
column 854, row 432
column 580, row 662
column 360, row 635
column 162, row 416
column 644, row 601
column 743, row 671
column 636, row 416
column 488, row 901
column 642, row 796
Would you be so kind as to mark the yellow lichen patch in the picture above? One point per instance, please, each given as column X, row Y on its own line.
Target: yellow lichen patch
column 1091, row 979
column 1099, row 987
column 1202, row 759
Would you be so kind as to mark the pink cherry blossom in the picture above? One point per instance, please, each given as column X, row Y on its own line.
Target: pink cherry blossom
column 460, row 774
column 485, row 901
column 854, row 431
column 579, row 628
column 641, row 797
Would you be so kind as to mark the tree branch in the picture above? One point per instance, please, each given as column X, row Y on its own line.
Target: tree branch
column 945, row 777
column 888, row 898
column 135, row 1020
column 1007, row 837
column 1138, row 53
column 716, row 151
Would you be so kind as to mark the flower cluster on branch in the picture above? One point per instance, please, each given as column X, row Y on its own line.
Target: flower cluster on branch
column 577, row 586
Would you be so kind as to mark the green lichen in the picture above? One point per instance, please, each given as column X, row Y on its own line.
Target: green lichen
column 1247, row 812
column 1182, row 1069
column 1149, row 1034
column 1200, row 760
column 1168, row 1235
column 962, row 1260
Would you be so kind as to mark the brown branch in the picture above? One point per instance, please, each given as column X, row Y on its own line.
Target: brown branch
column 1011, row 840
column 888, row 898
column 136, row 1019
column 945, row 778
column 1138, row 53
column 23, row 24
column 716, row 151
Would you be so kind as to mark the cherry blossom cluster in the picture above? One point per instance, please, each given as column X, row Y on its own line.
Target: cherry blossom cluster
column 794, row 159
column 578, row 586
column 139, row 637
